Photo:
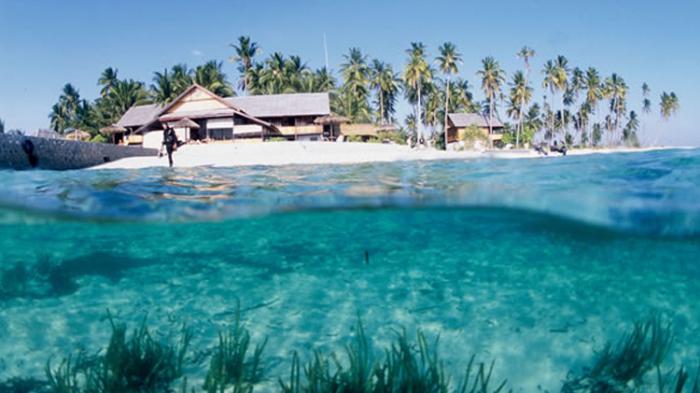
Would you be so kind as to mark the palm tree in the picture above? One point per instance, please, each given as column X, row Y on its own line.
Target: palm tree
column 124, row 95
column 58, row 117
column 629, row 133
column 210, row 75
column 525, row 53
column 246, row 50
column 181, row 78
column 2, row 127
column 386, row 83
column 64, row 113
column 295, row 71
column 355, row 89
column 323, row 80
column 520, row 95
column 448, row 61
column 646, row 102
column 561, row 84
column 669, row 105
column 550, row 83
column 594, row 91
column 492, row 77
column 616, row 90
column 107, row 80
column 416, row 76
column 162, row 88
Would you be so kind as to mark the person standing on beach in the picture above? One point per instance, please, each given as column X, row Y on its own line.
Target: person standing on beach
column 170, row 143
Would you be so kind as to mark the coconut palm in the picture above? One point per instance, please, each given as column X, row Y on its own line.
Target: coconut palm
column 162, row 89
column 520, row 95
column 448, row 62
column 646, row 102
column 274, row 76
column 386, row 83
column 295, row 71
column 210, row 75
column 594, row 91
column 629, row 132
column 525, row 53
column 64, row 113
column 669, row 105
column 181, row 78
column 315, row 82
column 462, row 99
column 417, row 76
column 492, row 78
column 124, row 95
column 615, row 89
column 245, row 50
column 550, row 83
column 107, row 80
column 355, row 88
column 561, row 83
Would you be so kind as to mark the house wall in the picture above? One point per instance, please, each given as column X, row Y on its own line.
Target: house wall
column 197, row 101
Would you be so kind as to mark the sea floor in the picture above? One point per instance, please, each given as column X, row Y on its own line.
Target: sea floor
column 535, row 293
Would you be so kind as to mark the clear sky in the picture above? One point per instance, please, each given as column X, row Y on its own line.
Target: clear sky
column 44, row 44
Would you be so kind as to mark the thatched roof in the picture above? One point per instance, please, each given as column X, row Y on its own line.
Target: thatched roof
column 163, row 111
column 387, row 127
column 77, row 134
column 113, row 129
column 331, row 119
column 265, row 106
column 183, row 123
column 359, row 129
column 463, row 120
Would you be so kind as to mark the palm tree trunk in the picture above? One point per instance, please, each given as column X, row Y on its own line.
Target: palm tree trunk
column 491, row 120
column 381, row 106
column 447, row 104
column 419, row 119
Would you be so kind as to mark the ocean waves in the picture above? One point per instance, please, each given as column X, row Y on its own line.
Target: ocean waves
column 655, row 193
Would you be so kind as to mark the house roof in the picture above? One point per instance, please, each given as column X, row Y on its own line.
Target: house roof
column 281, row 105
column 463, row 120
column 275, row 105
column 359, row 129
column 191, row 90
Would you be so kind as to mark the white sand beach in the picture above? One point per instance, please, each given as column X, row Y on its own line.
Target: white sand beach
column 288, row 153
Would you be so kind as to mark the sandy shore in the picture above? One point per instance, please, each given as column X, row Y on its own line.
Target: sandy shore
column 286, row 153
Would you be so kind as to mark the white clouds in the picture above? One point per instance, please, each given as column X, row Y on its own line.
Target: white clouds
column 197, row 52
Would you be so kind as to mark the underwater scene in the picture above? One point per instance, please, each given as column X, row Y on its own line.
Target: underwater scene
column 572, row 274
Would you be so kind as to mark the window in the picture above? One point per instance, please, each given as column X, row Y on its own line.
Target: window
column 221, row 134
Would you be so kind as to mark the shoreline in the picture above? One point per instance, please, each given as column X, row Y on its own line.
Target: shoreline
column 331, row 153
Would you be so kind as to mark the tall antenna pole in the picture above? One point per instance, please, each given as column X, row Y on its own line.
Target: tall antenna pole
column 325, row 50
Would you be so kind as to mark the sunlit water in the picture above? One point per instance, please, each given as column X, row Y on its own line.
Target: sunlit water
column 532, row 263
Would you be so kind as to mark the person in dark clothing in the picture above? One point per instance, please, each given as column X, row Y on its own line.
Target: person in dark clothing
column 558, row 148
column 170, row 142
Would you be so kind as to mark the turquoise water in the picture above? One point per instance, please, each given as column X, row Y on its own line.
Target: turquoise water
column 532, row 263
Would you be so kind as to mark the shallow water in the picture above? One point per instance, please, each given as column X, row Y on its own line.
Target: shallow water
column 532, row 263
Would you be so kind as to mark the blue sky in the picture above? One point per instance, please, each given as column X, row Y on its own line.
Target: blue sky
column 44, row 44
